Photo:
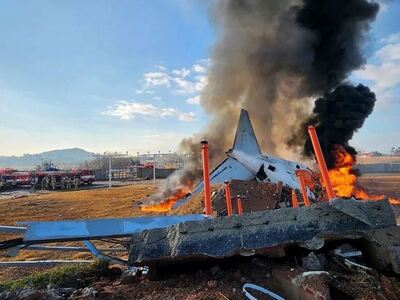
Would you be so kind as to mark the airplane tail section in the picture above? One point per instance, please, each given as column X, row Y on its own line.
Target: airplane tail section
column 245, row 139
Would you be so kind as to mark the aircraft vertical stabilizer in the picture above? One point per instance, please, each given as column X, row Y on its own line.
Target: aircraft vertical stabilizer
column 245, row 139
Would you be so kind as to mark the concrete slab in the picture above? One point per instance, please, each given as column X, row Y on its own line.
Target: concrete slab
column 257, row 232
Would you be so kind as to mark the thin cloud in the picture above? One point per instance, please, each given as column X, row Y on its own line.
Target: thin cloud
column 193, row 100
column 386, row 73
column 383, row 76
column 184, row 81
column 144, row 91
column 181, row 73
column 199, row 68
column 161, row 78
column 391, row 38
column 125, row 110
column 390, row 52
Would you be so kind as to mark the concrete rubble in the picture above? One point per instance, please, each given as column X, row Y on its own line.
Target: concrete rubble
column 256, row 196
column 272, row 232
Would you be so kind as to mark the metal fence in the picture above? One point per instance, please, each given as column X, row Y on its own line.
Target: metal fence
column 379, row 168
column 131, row 173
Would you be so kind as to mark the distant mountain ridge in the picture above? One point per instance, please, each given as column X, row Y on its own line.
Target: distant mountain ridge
column 63, row 158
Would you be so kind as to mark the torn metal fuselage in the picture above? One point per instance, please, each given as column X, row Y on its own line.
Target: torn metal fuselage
column 270, row 168
column 37, row 233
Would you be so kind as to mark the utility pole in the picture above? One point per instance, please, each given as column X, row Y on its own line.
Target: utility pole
column 153, row 157
column 109, row 172
column 154, row 169
column 110, row 155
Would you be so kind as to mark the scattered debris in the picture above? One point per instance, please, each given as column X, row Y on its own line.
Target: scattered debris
column 255, row 196
column 260, row 289
column 312, row 262
column 346, row 251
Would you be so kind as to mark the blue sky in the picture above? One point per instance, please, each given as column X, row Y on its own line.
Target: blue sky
column 126, row 75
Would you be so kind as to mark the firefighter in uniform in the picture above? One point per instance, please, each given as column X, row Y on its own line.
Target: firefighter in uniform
column 53, row 182
column 44, row 182
column 68, row 183
column 33, row 184
column 76, row 182
column 63, row 182
column 2, row 182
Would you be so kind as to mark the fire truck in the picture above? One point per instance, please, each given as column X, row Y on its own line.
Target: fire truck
column 6, row 179
column 87, row 176
column 49, row 179
column 10, row 178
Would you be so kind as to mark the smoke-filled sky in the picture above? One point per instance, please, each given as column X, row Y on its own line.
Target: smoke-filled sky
column 127, row 75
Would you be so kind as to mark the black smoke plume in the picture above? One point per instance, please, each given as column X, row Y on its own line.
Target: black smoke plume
column 338, row 28
column 337, row 116
column 271, row 57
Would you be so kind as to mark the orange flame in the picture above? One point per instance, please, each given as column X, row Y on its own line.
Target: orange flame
column 166, row 205
column 344, row 179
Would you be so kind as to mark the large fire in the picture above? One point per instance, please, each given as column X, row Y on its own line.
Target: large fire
column 344, row 179
column 166, row 205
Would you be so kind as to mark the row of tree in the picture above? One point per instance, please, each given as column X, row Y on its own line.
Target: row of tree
column 395, row 151
column 102, row 163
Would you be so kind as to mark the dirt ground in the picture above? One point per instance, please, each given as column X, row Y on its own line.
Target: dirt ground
column 104, row 203
column 225, row 281
column 69, row 205
column 81, row 204
column 387, row 184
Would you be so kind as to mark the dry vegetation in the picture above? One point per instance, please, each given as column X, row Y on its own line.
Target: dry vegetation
column 83, row 204
column 387, row 184
column 196, row 204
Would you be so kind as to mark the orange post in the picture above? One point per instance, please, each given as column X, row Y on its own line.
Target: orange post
column 206, row 178
column 228, row 198
column 295, row 202
column 321, row 162
column 239, row 205
column 303, row 188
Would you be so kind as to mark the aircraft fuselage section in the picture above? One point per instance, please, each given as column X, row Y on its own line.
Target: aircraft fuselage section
column 269, row 168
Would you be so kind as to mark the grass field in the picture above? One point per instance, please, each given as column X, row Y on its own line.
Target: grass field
column 82, row 204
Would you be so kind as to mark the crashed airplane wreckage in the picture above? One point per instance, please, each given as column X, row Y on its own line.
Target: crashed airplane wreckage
column 153, row 241
column 246, row 162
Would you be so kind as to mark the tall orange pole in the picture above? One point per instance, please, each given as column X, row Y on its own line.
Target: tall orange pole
column 295, row 202
column 228, row 198
column 239, row 205
column 321, row 162
column 303, row 189
column 206, row 178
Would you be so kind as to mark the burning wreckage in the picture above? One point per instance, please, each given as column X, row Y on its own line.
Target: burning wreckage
column 268, row 188
column 269, row 219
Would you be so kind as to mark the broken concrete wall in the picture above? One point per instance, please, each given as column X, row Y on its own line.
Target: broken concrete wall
column 256, row 196
column 383, row 248
column 309, row 227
